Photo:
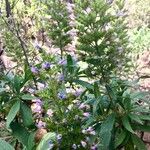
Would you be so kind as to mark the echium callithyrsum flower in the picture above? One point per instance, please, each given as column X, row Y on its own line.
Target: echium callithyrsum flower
column 46, row 65
column 50, row 112
column 83, row 143
column 61, row 77
column 62, row 62
column 62, row 95
column 86, row 114
column 34, row 70
column 37, row 106
column 41, row 124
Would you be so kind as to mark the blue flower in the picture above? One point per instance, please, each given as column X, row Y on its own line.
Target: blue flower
column 59, row 138
column 39, row 48
column 62, row 62
column 46, row 65
column 62, row 95
column 50, row 144
column 34, row 70
column 61, row 77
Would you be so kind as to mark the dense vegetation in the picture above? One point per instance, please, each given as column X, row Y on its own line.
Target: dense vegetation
column 74, row 74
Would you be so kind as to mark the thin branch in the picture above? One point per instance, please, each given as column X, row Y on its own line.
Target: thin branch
column 23, row 46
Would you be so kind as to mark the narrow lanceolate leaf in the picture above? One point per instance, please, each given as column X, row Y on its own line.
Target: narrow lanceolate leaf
column 96, row 90
column 106, row 132
column 145, row 117
column 145, row 128
column 135, row 118
column 120, row 138
column 70, row 64
column 12, row 113
column 127, row 124
column 17, row 82
column 27, row 97
column 138, row 142
column 84, row 84
column 5, row 146
column 26, row 115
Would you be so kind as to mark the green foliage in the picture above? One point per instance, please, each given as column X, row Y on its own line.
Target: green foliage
column 128, row 112
column 81, row 102
column 5, row 146
column 12, row 113
column 58, row 25
column 100, row 38
column 19, row 117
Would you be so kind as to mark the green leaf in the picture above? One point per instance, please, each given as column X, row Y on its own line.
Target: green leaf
column 145, row 128
column 31, row 141
column 105, row 132
column 138, row 142
column 96, row 90
column 144, row 117
column 44, row 144
column 5, row 145
column 26, row 115
column 126, row 124
column 27, row 75
column 17, row 83
column 12, row 113
column 27, row 97
column 129, row 145
column 120, row 138
column 89, row 122
column 136, row 118
column 84, row 84
column 70, row 64
column 20, row 133
column 138, row 95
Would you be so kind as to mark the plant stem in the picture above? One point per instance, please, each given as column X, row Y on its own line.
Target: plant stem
column 23, row 46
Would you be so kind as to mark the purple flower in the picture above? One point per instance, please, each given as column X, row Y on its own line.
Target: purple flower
column 62, row 62
column 41, row 124
column 50, row 112
column 37, row 101
column 38, row 48
column 36, row 108
column 78, row 92
column 34, row 70
column 94, row 147
column 61, row 77
column 91, row 131
column 46, row 65
column 83, row 143
column 86, row 114
column 62, row 95
column 109, row 1
column 82, row 106
column 120, row 14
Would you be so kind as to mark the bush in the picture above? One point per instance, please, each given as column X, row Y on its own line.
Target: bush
column 66, row 93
